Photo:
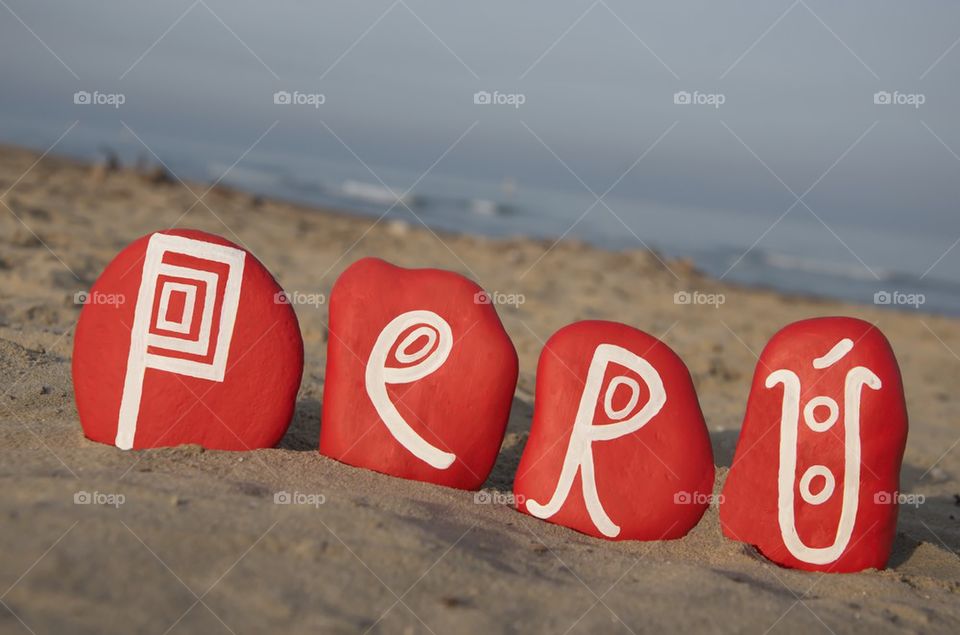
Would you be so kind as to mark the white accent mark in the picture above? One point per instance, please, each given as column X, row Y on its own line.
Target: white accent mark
column 835, row 354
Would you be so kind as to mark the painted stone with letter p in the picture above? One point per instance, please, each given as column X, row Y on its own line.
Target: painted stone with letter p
column 199, row 350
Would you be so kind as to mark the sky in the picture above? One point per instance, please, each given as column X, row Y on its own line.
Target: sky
column 787, row 124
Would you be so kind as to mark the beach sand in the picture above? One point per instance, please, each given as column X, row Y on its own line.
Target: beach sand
column 198, row 544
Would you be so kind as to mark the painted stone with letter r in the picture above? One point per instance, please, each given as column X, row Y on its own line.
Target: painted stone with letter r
column 420, row 375
column 618, row 448
column 815, row 478
column 199, row 351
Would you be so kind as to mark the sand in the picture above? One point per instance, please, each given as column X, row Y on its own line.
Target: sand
column 198, row 544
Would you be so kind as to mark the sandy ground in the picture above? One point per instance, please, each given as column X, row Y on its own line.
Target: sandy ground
column 198, row 544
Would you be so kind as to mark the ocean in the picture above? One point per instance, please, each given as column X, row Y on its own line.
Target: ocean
column 864, row 263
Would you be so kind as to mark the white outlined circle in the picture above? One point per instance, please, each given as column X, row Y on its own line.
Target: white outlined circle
column 615, row 383
column 810, row 417
column 828, row 485
column 405, row 357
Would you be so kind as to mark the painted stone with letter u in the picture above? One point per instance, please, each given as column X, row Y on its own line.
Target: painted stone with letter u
column 199, row 350
column 618, row 447
column 815, row 478
column 420, row 375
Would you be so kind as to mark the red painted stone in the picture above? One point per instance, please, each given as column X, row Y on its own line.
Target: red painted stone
column 185, row 338
column 420, row 375
column 815, row 478
column 616, row 407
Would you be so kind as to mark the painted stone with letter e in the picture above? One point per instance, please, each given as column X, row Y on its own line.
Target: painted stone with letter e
column 420, row 375
column 200, row 350
column 815, row 478
column 618, row 447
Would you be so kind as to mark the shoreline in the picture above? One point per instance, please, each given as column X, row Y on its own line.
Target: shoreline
column 840, row 286
column 340, row 565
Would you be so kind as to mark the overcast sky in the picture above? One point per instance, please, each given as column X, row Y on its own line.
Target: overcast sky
column 797, row 81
